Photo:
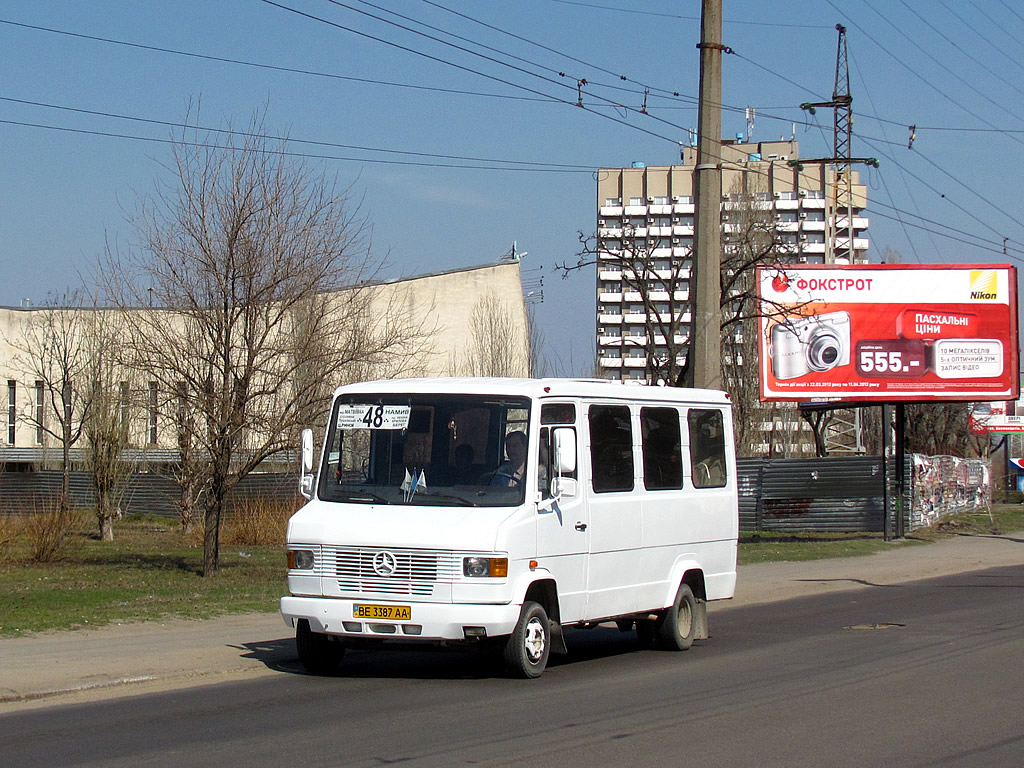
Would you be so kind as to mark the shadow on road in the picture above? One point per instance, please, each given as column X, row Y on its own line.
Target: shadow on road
column 424, row 662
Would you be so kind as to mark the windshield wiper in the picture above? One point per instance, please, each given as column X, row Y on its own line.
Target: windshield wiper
column 461, row 501
column 364, row 497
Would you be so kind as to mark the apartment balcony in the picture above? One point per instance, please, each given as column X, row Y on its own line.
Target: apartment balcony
column 611, row 210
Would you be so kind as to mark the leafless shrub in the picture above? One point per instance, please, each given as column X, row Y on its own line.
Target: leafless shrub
column 50, row 531
column 259, row 522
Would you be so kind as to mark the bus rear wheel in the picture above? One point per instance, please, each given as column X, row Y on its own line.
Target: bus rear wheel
column 678, row 626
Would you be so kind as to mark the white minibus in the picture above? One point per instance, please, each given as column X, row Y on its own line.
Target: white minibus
column 503, row 512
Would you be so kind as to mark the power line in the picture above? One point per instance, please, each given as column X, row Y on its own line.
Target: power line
column 289, row 139
column 273, row 67
column 462, row 68
column 286, row 153
column 958, row 48
column 689, row 18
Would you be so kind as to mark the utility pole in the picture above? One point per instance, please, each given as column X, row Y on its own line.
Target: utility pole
column 841, row 193
column 704, row 359
column 843, row 432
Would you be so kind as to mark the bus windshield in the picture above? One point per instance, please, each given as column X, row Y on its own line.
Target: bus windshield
column 427, row 450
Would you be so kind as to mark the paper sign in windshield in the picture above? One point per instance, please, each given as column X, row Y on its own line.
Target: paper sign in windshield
column 373, row 416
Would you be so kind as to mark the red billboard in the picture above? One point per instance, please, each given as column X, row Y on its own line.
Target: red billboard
column 888, row 333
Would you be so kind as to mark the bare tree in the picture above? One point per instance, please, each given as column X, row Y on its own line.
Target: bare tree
column 256, row 269
column 751, row 239
column 657, row 278
column 51, row 352
column 660, row 306
column 535, row 335
column 106, row 424
column 497, row 345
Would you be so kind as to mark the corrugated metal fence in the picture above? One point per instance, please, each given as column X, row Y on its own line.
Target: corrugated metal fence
column 841, row 493
column 848, row 493
column 147, row 493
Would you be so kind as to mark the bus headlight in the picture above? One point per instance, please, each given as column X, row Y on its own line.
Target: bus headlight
column 485, row 566
column 300, row 560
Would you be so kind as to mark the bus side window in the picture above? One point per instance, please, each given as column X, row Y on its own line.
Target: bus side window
column 611, row 448
column 707, row 448
column 662, row 449
column 563, row 415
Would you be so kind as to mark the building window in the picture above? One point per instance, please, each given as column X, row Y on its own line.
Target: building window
column 613, row 201
column 661, row 201
column 636, row 201
column 152, row 412
column 685, row 199
column 124, row 404
column 39, row 413
column 12, row 409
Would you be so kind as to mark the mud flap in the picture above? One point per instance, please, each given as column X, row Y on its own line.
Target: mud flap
column 557, row 638
column 700, row 618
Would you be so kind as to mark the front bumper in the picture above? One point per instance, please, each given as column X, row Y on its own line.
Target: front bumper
column 428, row 622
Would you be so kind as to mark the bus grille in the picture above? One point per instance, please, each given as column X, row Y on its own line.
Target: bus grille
column 416, row 571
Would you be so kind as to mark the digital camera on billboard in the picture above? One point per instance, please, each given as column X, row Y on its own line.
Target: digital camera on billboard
column 810, row 344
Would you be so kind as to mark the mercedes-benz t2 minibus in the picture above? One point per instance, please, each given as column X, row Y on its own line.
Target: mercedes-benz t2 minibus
column 503, row 512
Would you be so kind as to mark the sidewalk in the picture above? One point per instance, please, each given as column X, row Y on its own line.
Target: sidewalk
column 119, row 660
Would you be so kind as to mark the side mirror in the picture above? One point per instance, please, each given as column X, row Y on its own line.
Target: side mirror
column 306, row 476
column 565, row 450
column 564, row 486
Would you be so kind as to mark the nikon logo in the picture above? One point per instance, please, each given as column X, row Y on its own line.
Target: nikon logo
column 984, row 285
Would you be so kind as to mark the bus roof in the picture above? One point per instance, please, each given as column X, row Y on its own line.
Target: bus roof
column 537, row 388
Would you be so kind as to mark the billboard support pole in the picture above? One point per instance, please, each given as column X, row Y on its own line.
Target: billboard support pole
column 887, row 501
column 900, row 441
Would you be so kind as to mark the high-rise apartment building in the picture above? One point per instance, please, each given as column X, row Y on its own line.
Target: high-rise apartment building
column 648, row 213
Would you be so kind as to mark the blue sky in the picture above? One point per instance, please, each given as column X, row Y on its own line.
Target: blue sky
column 951, row 69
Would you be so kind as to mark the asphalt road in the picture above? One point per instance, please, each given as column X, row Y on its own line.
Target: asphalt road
column 926, row 673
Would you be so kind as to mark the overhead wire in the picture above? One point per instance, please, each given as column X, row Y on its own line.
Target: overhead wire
column 689, row 18
column 288, row 139
column 966, row 22
column 460, row 67
column 542, row 97
column 305, row 155
column 961, row 50
column 261, row 65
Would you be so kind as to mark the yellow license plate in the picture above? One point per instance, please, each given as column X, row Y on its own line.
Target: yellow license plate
column 389, row 612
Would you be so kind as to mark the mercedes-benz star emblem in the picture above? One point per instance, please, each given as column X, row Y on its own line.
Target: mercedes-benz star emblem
column 385, row 563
